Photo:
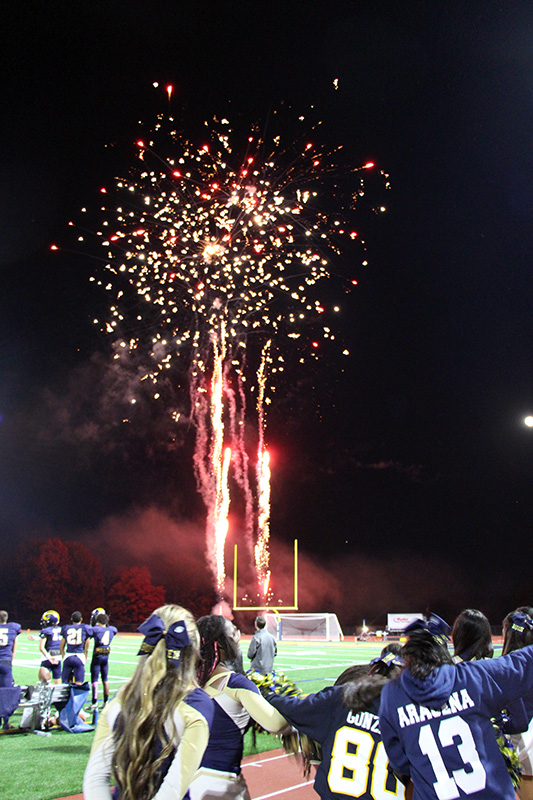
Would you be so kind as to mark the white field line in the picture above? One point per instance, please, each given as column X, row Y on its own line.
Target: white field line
column 262, row 761
column 315, row 666
column 280, row 791
column 35, row 662
column 284, row 791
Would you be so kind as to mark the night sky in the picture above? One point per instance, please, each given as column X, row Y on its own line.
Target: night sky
column 405, row 470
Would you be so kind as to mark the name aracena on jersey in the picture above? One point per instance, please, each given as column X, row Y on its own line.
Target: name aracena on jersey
column 364, row 719
column 412, row 714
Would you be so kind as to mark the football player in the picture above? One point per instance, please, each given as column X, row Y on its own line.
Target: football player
column 74, row 645
column 8, row 634
column 49, row 645
column 103, row 634
column 95, row 613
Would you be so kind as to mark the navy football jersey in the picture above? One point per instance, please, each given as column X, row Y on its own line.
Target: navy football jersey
column 52, row 639
column 75, row 635
column 103, row 636
column 354, row 762
column 8, row 633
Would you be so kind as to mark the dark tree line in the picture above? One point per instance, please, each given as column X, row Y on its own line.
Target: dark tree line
column 67, row 576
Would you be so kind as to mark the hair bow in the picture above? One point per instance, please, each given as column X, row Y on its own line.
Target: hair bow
column 434, row 625
column 388, row 660
column 176, row 637
column 520, row 622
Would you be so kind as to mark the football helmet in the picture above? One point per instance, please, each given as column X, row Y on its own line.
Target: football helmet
column 49, row 618
column 96, row 613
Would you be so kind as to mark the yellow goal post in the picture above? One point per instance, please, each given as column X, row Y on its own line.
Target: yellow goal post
column 265, row 607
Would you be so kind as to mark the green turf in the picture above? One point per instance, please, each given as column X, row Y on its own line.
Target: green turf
column 42, row 768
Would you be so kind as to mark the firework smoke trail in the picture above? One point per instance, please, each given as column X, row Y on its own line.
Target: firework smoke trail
column 211, row 252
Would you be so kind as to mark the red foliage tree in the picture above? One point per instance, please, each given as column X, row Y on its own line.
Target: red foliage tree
column 132, row 597
column 65, row 576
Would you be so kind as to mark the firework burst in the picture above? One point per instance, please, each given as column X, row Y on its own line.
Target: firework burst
column 213, row 256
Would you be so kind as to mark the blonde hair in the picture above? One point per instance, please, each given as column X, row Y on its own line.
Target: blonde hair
column 147, row 702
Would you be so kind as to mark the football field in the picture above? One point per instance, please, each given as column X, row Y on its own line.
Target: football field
column 311, row 665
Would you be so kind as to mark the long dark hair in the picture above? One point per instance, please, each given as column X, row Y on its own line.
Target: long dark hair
column 359, row 691
column 216, row 645
column 471, row 635
column 514, row 639
column 423, row 653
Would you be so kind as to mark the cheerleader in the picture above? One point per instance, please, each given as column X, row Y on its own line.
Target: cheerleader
column 151, row 737
column 471, row 636
column 518, row 633
column 236, row 701
column 343, row 720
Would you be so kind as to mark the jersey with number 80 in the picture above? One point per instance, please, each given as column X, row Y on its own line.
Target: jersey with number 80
column 354, row 761
column 359, row 767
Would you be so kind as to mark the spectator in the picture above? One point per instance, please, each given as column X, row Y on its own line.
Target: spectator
column 343, row 719
column 262, row 649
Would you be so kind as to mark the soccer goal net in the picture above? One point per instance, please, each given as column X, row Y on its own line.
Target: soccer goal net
column 304, row 626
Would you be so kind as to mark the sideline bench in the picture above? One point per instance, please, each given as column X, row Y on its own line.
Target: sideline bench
column 38, row 701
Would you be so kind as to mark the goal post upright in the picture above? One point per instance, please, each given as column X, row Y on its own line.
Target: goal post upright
column 263, row 607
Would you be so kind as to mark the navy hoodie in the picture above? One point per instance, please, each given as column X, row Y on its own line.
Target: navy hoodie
column 438, row 730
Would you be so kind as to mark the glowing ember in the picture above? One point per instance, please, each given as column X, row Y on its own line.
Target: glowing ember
column 213, row 255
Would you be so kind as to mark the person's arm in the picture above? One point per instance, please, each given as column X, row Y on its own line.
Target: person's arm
column 306, row 713
column 517, row 717
column 62, row 646
column 42, row 648
column 398, row 760
column 252, row 649
column 97, row 776
column 260, row 710
column 504, row 679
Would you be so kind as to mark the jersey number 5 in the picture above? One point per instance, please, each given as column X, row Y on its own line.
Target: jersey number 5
column 349, row 772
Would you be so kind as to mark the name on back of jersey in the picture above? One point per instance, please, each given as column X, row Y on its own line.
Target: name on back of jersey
column 364, row 719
